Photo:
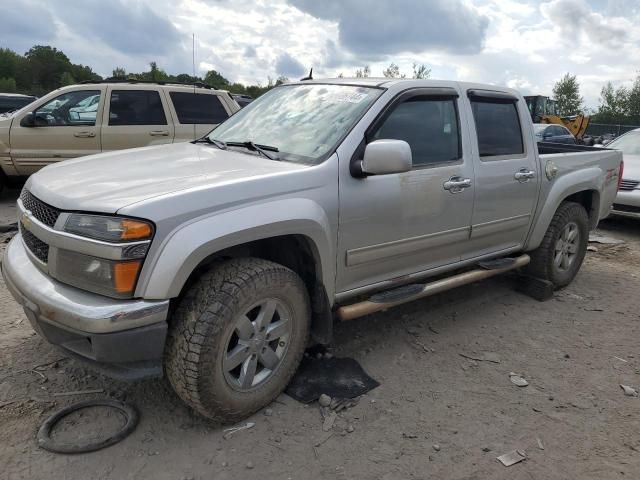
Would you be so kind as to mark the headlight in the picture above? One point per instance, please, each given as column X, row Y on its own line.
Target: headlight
column 113, row 278
column 108, row 229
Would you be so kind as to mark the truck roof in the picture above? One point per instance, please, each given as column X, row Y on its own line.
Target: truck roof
column 382, row 82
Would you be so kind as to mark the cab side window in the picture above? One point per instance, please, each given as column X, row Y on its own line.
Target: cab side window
column 498, row 128
column 430, row 127
column 71, row 108
column 136, row 107
column 198, row 108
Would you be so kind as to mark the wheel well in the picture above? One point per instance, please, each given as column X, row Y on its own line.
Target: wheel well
column 296, row 252
column 590, row 200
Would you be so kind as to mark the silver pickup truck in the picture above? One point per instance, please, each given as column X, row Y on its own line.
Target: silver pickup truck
column 217, row 262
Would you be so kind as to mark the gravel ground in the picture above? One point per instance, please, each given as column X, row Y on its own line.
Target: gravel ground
column 436, row 415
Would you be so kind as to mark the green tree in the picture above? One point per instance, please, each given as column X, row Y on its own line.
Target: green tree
column 67, row 79
column 8, row 85
column 567, row 92
column 119, row 73
column 633, row 102
column 363, row 72
column 9, row 62
column 421, row 71
column 281, row 79
column 614, row 105
column 392, row 71
column 46, row 66
column 215, row 79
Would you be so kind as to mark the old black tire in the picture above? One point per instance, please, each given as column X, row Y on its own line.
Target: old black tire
column 3, row 181
column 212, row 313
column 544, row 265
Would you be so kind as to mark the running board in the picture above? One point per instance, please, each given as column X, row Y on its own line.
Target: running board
column 409, row 293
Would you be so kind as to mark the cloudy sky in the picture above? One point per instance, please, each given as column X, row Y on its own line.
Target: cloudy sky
column 526, row 44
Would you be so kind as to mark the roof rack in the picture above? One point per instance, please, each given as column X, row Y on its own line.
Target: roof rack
column 133, row 81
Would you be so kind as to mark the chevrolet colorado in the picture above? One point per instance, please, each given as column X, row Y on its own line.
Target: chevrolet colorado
column 216, row 262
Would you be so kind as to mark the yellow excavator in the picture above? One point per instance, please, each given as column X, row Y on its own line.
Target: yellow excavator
column 545, row 110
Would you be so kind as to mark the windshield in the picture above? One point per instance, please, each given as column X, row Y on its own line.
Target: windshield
column 629, row 143
column 304, row 122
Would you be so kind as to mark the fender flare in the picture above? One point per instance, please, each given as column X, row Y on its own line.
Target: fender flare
column 170, row 265
column 588, row 179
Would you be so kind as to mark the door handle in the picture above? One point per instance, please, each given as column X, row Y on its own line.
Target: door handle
column 524, row 175
column 84, row 134
column 456, row 184
column 159, row 133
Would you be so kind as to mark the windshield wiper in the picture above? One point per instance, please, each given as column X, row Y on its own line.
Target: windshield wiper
column 218, row 143
column 261, row 149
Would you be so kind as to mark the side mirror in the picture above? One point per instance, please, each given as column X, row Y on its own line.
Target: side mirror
column 383, row 157
column 28, row 120
column 548, row 135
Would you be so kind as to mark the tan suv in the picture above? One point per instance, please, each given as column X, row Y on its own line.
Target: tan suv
column 102, row 116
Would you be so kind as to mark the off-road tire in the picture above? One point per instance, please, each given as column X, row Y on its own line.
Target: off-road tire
column 200, row 326
column 542, row 265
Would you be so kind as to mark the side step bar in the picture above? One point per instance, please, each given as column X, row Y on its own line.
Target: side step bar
column 409, row 293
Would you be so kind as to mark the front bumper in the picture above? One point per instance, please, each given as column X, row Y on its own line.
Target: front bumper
column 123, row 338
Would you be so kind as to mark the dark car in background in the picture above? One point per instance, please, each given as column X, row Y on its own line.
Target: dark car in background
column 553, row 133
column 242, row 99
column 14, row 101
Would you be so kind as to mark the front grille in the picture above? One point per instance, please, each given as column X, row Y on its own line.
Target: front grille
column 40, row 210
column 629, row 184
column 35, row 245
column 626, row 208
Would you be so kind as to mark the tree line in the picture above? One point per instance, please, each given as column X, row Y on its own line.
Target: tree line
column 617, row 105
column 44, row 68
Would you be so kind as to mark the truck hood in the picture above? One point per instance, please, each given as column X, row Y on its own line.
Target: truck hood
column 108, row 182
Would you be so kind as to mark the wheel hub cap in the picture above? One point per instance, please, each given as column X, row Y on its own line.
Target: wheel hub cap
column 567, row 247
column 257, row 345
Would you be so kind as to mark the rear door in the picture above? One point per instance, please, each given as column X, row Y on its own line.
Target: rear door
column 66, row 126
column 135, row 117
column 506, row 172
column 196, row 112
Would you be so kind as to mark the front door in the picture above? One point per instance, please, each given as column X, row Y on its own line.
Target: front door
column 66, row 126
column 135, row 117
column 398, row 224
column 507, row 173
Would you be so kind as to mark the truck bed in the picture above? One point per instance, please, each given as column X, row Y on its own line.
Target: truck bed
column 550, row 147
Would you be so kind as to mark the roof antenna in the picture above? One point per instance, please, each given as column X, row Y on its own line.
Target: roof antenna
column 308, row 77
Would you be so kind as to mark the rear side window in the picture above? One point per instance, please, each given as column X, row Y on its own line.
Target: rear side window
column 136, row 107
column 498, row 128
column 428, row 125
column 198, row 108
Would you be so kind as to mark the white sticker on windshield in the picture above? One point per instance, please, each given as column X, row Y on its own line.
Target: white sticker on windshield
column 351, row 97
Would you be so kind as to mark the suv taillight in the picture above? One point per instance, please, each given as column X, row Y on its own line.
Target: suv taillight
column 620, row 172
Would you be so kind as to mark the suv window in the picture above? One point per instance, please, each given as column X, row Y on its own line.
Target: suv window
column 428, row 125
column 71, row 108
column 136, row 107
column 498, row 128
column 198, row 108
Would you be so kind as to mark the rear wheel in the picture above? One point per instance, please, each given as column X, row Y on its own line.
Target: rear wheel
column 3, row 181
column 560, row 255
column 237, row 338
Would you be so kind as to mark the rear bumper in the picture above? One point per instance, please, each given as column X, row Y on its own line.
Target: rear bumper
column 124, row 339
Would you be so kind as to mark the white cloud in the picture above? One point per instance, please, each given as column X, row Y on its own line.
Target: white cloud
column 527, row 44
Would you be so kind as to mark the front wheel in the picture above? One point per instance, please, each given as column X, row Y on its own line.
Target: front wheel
column 237, row 337
column 560, row 255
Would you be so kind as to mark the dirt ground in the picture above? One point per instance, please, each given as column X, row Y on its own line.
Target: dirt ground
column 436, row 415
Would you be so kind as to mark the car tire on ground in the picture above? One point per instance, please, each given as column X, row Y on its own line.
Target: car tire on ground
column 560, row 255
column 237, row 337
column 3, row 181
